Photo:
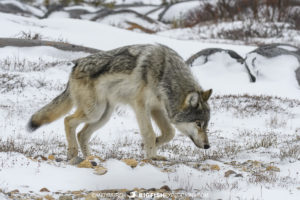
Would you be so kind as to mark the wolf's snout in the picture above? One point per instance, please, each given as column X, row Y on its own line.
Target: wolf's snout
column 206, row 146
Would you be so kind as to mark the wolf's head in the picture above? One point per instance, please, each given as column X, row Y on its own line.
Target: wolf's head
column 193, row 117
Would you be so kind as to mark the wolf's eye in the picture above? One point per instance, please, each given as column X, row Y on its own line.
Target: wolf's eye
column 200, row 124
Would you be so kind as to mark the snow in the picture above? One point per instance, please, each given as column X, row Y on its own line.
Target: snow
column 49, row 54
column 32, row 175
column 240, row 127
column 179, row 11
column 153, row 2
column 24, row 7
column 59, row 14
column 289, row 48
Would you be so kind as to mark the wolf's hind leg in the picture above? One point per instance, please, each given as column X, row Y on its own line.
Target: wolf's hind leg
column 167, row 131
column 71, row 123
column 85, row 134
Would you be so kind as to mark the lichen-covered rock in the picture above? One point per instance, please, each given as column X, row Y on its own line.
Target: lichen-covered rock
column 63, row 197
column 44, row 190
column 229, row 172
column 99, row 170
column 91, row 196
column 273, row 169
column 166, row 188
column 130, row 162
column 49, row 197
column 215, row 167
column 51, row 157
column 85, row 164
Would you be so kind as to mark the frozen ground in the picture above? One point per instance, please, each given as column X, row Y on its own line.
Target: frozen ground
column 254, row 129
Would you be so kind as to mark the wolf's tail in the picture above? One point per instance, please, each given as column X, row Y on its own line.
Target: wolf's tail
column 58, row 107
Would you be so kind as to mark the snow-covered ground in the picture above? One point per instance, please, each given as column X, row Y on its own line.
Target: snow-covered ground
column 254, row 129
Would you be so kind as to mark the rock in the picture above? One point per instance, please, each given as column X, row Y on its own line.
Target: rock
column 49, row 197
column 229, row 172
column 166, row 170
column 238, row 175
column 85, row 164
column 130, row 162
column 40, row 157
column 65, row 198
column 298, row 188
column 100, row 170
column 76, row 192
column 95, row 158
column 94, row 163
column 58, row 159
column 91, row 196
column 215, row 167
column 44, row 190
column 123, row 190
column 273, row 169
column 51, row 157
column 15, row 191
column 151, row 190
column 166, row 188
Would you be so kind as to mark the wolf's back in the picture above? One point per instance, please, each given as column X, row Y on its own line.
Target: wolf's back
column 58, row 107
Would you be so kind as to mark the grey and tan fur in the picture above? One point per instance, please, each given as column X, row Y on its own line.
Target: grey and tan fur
column 153, row 79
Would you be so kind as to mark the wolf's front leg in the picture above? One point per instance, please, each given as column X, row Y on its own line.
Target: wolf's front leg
column 146, row 129
column 162, row 121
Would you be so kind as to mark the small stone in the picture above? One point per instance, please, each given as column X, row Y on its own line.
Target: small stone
column 245, row 169
column 257, row 163
column 166, row 188
column 147, row 161
column 51, row 157
column 94, row 163
column 273, row 168
column 238, row 175
column 196, row 165
column 49, row 197
column 166, row 170
column 151, row 189
column 298, row 188
column 85, row 164
column 100, row 170
column 229, row 172
column 130, row 162
column 44, row 190
column 58, row 159
column 65, row 198
column 215, row 167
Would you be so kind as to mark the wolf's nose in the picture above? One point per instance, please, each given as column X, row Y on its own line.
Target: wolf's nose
column 206, row 146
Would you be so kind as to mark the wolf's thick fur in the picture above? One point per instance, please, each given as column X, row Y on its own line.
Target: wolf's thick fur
column 152, row 79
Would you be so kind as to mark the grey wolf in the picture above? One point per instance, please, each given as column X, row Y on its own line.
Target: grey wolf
column 153, row 79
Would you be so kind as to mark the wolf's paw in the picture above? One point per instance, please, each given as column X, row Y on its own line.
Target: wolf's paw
column 76, row 160
column 159, row 158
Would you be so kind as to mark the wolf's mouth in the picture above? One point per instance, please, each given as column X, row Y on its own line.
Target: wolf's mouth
column 195, row 142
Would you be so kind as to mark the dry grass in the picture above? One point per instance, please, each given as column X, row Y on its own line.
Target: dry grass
column 16, row 64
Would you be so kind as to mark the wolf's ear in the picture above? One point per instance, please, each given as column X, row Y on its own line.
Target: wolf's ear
column 192, row 99
column 206, row 94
